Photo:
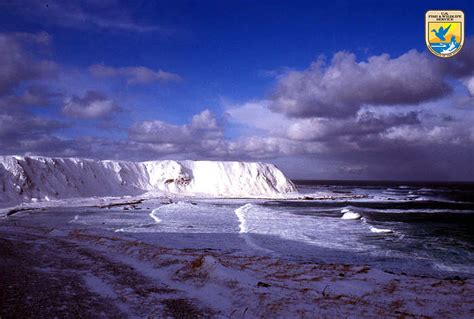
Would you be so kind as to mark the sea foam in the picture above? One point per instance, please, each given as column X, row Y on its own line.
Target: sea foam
column 349, row 214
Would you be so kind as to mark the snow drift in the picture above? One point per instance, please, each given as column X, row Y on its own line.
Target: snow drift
column 28, row 178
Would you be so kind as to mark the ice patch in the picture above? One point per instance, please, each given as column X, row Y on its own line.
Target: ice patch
column 217, row 270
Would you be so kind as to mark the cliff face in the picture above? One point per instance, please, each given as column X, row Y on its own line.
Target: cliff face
column 40, row 178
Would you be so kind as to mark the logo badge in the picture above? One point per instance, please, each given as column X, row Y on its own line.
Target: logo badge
column 444, row 32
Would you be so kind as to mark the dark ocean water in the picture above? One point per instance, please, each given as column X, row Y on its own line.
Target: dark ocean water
column 429, row 226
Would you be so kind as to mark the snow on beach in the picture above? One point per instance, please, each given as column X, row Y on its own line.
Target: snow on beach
column 100, row 273
column 180, row 262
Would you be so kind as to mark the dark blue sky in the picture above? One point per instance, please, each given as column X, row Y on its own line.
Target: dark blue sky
column 107, row 98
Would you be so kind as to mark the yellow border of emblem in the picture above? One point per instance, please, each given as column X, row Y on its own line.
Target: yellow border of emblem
column 452, row 16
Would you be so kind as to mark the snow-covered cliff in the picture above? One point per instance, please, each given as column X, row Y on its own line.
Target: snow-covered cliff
column 23, row 179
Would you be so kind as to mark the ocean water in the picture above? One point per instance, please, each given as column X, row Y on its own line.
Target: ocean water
column 416, row 228
column 420, row 228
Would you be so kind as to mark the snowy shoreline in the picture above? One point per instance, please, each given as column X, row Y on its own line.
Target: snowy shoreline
column 124, row 277
column 147, row 246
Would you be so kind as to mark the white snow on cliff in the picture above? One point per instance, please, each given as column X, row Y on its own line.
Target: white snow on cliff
column 32, row 178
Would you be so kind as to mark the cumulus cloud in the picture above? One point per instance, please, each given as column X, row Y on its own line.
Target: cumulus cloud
column 30, row 96
column 94, row 105
column 204, row 121
column 469, row 83
column 462, row 64
column 365, row 123
column 257, row 114
column 10, row 126
column 202, row 137
column 21, row 74
column 26, row 133
column 134, row 75
column 381, row 118
column 202, row 128
column 160, row 132
column 420, row 144
column 339, row 118
column 18, row 64
column 339, row 89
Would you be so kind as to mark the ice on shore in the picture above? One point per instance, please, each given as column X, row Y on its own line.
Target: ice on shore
column 146, row 280
column 24, row 178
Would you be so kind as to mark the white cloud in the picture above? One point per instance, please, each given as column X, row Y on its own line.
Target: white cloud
column 134, row 75
column 202, row 128
column 339, row 89
column 93, row 105
column 18, row 64
column 469, row 83
column 256, row 114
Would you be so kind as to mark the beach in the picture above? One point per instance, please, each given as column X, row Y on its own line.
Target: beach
column 81, row 262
